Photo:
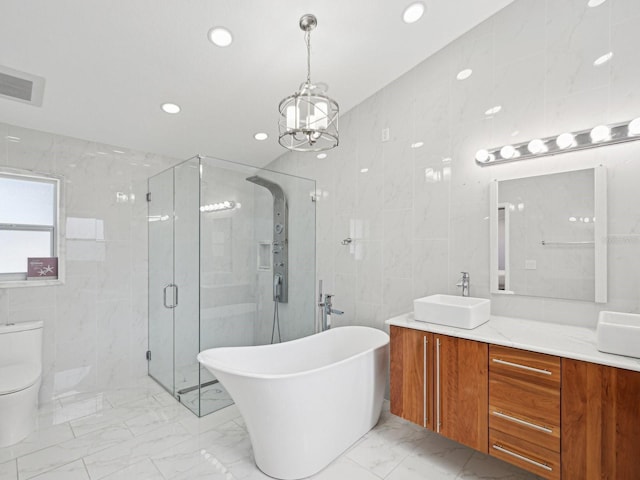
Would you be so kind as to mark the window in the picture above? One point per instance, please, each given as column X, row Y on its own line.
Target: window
column 28, row 221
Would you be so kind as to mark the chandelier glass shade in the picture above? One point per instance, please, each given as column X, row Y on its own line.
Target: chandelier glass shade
column 309, row 117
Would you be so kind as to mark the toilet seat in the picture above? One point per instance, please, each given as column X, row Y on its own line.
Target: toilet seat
column 18, row 376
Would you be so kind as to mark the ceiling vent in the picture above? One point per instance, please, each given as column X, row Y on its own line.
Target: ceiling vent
column 20, row 86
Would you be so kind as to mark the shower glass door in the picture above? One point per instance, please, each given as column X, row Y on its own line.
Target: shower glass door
column 174, row 276
column 161, row 279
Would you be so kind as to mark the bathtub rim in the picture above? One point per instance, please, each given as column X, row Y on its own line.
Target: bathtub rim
column 280, row 376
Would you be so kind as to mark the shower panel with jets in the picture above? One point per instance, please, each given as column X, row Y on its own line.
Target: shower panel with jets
column 231, row 251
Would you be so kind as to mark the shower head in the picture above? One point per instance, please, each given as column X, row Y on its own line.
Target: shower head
column 274, row 188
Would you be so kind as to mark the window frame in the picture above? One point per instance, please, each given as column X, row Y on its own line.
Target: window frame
column 18, row 279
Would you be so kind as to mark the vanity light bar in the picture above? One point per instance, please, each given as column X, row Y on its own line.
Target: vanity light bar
column 565, row 142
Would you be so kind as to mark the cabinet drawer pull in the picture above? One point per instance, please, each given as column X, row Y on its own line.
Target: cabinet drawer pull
column 523, row 367
column 521, row 422
column 424, row 376
column 500, row 448
column 438, row 423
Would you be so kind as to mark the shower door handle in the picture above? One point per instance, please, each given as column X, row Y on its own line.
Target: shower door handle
column 175, row 296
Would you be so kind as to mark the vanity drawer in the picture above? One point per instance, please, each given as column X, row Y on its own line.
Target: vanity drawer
column 515, row 363
column 526, row 410
column 531, row 416
column 526, row 455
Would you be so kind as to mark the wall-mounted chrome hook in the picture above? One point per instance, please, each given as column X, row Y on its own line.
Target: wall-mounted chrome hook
column 346, row 241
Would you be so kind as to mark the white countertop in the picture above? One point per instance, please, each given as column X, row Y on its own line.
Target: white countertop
column 567, row 341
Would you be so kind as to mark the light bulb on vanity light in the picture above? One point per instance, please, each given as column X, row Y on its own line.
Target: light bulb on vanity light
column 634, row 127
column 565, row 140
column 536, row 146
column 483, row 156
column 508, row 152
column 600, row 133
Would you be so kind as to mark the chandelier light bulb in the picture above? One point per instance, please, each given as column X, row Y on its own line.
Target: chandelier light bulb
column 565, row 140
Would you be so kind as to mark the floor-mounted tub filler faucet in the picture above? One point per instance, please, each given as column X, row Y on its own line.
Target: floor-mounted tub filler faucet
column 326, row 308
column 464, row 284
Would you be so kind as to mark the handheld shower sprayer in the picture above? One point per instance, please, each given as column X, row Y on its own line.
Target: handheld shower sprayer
column 277, row 286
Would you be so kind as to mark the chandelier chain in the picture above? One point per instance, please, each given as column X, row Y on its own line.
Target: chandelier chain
column 307, row 38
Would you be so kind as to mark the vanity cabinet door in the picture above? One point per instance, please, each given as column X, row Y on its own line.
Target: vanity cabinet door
column 411, row 379
column 461, row 390
column 600, row 422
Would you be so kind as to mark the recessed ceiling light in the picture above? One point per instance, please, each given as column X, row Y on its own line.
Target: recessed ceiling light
column 417, row 144
column 170, row 108
column 493, row 110
column 464, row 74
column 603, row 59
column 220, row 36
column 321, row 156
column 413, row 12
column 364, row 170
column 261, row 136
column 595, row 3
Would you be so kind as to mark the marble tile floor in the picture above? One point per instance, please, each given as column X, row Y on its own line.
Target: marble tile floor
column 142, row 433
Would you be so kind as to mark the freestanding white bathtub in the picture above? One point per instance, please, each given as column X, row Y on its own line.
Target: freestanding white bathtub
column 306, row 401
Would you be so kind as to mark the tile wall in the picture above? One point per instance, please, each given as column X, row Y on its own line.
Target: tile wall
column 419, row 216
column 95, row 325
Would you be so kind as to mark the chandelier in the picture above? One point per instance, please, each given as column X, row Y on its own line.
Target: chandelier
column 309, row 118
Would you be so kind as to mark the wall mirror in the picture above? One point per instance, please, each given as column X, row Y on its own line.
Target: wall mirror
column 549, row 235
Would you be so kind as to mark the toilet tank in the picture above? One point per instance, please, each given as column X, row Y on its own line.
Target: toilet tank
column 21, row 342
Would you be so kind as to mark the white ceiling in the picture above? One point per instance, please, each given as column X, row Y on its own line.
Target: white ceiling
column 109, row 64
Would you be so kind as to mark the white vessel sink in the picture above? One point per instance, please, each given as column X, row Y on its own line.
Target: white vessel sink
column 454, row 311
column 619, row 333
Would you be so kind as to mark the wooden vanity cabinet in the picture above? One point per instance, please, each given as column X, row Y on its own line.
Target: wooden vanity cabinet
column 600, row 422
column 441, row 383
column 559, row 418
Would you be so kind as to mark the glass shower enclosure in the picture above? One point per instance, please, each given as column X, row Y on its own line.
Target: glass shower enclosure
column 231, row 263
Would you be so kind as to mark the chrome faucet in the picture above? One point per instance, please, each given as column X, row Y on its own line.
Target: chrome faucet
column 327, row 310
column 464, row 283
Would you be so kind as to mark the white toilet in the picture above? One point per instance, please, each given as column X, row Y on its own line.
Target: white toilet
column 20, row 378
